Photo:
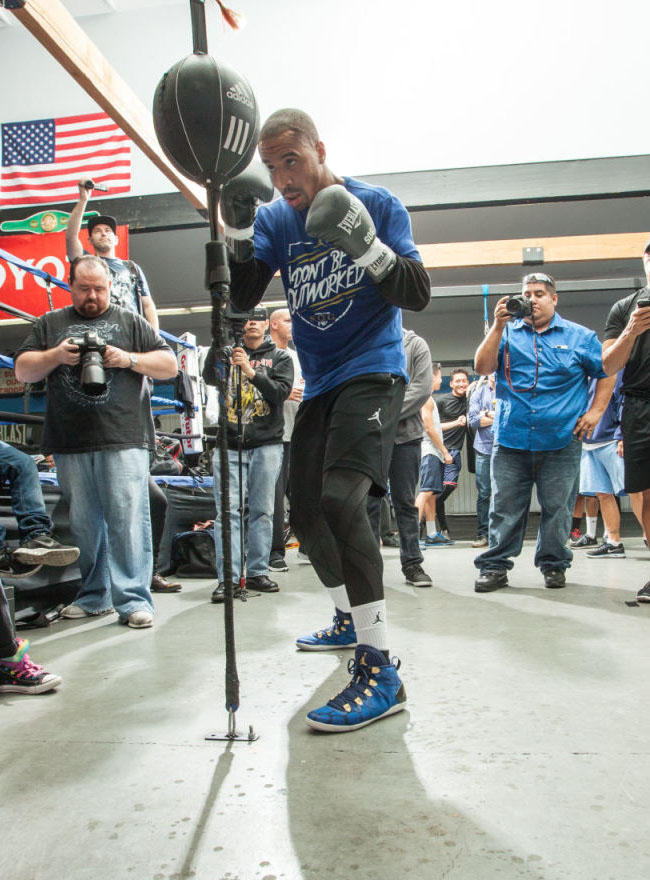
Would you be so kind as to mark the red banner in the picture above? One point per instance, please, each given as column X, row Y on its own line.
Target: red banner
column 21, row 289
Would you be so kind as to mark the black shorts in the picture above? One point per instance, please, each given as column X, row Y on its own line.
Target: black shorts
column 351, row 426
column 635, row 423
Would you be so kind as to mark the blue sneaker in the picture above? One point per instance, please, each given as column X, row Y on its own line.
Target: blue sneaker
column 438, row 540
column 341, row 634
column 375, row 691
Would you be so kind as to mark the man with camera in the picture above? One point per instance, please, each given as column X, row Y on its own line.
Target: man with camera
column 627, row 345
column 259, row 381
column 96, row 357
column 129, row 288
column 543, row 364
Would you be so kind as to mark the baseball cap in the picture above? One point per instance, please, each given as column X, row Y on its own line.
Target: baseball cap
column 102, row 218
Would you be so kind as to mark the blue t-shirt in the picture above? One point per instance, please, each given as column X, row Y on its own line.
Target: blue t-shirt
column 543, row 418
column 342, row 326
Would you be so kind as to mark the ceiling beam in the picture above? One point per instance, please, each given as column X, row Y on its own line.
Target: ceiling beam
column 509, row 252
column 58, row 32
column 525, row 183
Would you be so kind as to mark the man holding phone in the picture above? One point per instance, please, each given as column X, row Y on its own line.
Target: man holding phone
column 627, row 344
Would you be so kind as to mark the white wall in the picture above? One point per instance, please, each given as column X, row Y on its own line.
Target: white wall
column 393, row 86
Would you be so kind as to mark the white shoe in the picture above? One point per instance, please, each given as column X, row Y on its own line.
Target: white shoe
column 76, row 612
column 303, row 558
column 139, row 620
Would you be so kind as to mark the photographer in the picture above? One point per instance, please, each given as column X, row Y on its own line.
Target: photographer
column 266, row 379
column 543, row 364
column 627, row 344
column 98, row 424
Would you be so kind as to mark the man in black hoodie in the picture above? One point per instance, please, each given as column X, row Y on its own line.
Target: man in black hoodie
column 266, row 380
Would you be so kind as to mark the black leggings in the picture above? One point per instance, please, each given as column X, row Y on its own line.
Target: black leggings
column 440, row 506
column 331, row 523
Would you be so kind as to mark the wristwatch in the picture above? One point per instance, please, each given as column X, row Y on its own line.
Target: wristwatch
column 132, row 361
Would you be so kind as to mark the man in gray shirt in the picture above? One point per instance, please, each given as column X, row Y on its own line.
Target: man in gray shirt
column 405, row 461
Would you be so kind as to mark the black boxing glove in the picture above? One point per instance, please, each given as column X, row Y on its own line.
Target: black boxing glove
column 339, row 217
column 239, row 200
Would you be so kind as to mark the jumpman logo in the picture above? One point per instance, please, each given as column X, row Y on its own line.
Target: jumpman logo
column 378, row 618
column 375, row 417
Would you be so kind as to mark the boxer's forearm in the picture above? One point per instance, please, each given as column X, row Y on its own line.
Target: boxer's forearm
column 407, row 285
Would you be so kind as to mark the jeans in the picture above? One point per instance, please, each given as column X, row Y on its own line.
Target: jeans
column 403, row 475
column 26, row 495
column 484, row 491
column 260, row 468
column 556, row 474
column 107, row 492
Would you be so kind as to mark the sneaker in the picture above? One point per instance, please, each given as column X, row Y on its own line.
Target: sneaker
column 644, row 593
column 375, row 691
column 611, row 551
column 490, row 580
column 341, row 634
column 554, row 578
column 44, row 550
column 445, row 534
column 481, row 541
column 574, row 535
column 278, row 563
column 416, row 576
column 438, row 540
column 262, row 583
column 138, row 620
column 160, row 585
column 583, row 541
column 75, row 612
column 390, row 540
column 18, row 675
column 11, row 569
column 302, row 558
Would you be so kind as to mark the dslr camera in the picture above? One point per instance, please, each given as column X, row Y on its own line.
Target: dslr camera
column 236, row 320
column 91, row 351
column 519, row 306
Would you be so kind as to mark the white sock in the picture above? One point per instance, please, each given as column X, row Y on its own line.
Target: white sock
column 432, row 528
column 339, row 595
column 592, row 521
column 370, row 624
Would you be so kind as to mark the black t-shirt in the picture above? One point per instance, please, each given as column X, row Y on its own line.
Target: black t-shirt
column 636, row 374
column 120, row 418
column 449, row 408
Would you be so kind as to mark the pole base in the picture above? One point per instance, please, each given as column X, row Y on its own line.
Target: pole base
column 232, row 735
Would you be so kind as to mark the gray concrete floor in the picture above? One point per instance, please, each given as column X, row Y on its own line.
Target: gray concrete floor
column 523, row 752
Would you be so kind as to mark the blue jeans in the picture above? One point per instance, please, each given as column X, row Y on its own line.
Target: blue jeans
column 109, row 518
column 26, row 495
column 260, row 469
column 484, row 491
column 555, row 473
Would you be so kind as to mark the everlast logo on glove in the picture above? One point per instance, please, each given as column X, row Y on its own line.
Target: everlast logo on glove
column 352, row 219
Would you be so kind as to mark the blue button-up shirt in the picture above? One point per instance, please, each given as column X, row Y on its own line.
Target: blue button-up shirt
column 544, row 418
column 482, row 400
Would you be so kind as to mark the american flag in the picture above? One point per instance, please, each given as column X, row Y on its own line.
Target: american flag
column 42, row 160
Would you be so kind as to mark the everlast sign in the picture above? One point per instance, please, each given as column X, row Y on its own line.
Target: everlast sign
column 14, row 434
